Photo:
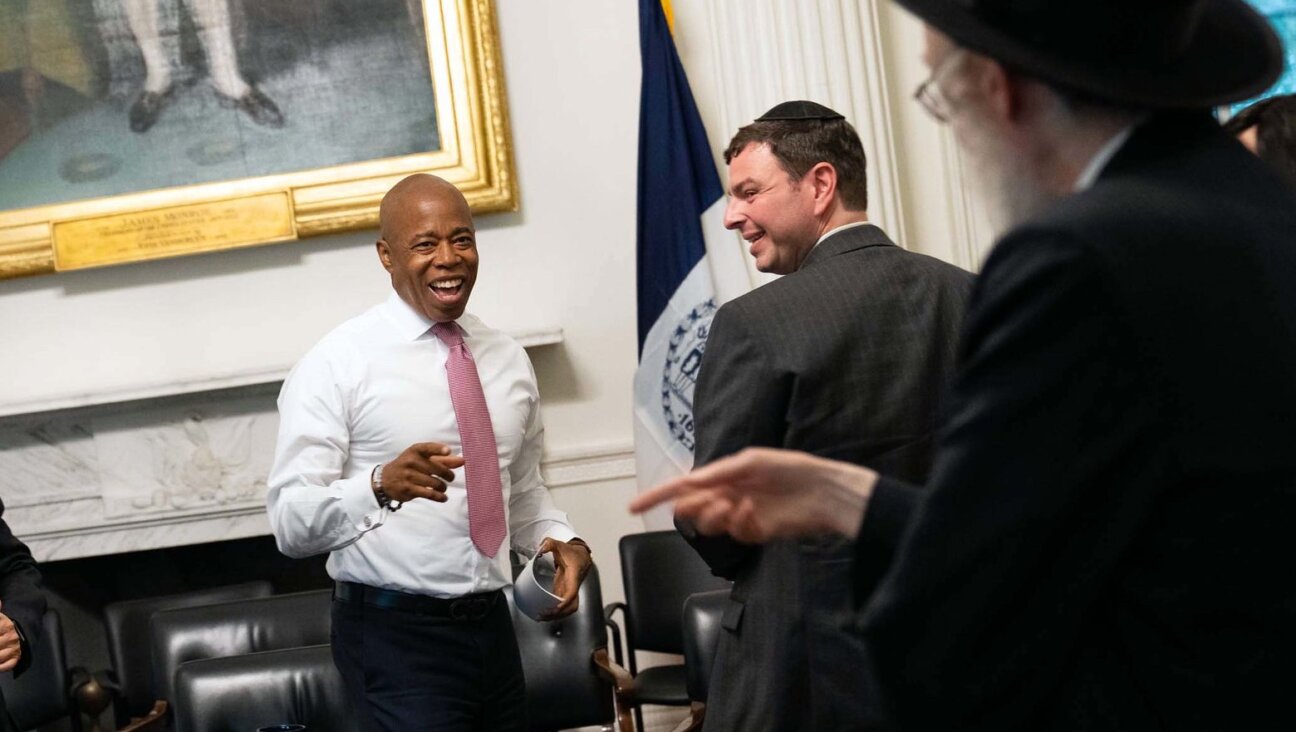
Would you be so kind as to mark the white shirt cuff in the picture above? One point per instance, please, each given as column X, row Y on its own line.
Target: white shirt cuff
column 360, row 504
column 557, row 532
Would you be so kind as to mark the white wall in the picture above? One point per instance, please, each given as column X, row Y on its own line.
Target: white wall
column 566, row 259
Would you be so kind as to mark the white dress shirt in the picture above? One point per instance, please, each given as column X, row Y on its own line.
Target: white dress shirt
column 830, row 232
column 368, row 390
column 1099, row 161
column 843, row 227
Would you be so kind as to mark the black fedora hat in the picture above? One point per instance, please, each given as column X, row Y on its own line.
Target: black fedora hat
column 1161, row 54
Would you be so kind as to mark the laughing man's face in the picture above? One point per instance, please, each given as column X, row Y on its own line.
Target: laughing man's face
column 773, row 212
column 430, row 249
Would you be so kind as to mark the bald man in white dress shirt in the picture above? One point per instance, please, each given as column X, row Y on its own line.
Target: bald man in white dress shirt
column 367, row 469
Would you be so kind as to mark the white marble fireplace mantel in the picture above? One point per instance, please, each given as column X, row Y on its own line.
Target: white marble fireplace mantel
column 170, row 465
column 71, row 399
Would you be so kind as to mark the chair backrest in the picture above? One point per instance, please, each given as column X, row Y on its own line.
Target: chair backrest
column 563, row 688
column 234, row 629
column 291, row 686
column 660, row 570
column 127, row 623
column 40, row 695
column 702, row 614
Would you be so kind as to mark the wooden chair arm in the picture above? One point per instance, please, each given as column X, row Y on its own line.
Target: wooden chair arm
column 622, row 686
column 622, row 681
column 154, row 721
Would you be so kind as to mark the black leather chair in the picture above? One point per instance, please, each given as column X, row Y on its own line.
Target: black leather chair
column 660, row 571
column 235, row 629
column 127, row 623
column 291, row 686
column 42, row 694
column 702, row 614
column 569, row 678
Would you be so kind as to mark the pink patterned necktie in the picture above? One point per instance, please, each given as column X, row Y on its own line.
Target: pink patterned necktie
column 486, row 523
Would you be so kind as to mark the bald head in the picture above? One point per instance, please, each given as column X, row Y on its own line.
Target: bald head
column 429, row 245
column 409, row 193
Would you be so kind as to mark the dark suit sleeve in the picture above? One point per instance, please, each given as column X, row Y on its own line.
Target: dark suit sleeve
column 740, row 400
column 1037, row 489
column 890, row 508
column 20, row 590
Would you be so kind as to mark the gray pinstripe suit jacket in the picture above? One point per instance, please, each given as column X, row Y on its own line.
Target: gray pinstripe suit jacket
column 845, row 358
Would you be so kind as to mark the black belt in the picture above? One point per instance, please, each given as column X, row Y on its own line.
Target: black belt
column 468, row 607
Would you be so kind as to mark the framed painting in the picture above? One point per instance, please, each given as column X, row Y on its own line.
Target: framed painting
column 142, row 129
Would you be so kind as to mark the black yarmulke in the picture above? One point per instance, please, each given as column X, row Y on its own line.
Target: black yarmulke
column 800, row 111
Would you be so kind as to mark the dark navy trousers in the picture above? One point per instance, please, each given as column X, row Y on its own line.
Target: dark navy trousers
column 410, row 671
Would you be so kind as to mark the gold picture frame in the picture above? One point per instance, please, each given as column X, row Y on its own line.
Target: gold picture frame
column 475, row 154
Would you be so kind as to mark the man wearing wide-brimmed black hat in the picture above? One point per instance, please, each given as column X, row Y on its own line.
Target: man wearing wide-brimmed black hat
column 1107, row 539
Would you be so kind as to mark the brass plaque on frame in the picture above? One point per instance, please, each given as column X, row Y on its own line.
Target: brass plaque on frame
column 173, row 231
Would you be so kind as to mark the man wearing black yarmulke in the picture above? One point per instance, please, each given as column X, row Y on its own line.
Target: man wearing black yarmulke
column 845, row 356
column 1106, row 538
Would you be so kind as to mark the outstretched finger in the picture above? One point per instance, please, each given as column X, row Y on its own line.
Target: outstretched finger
column 450, row 462
column 430, row 449
column 690, row 505
column 429, row 467
column 740, row 467
column 668, row 491
column 702, row 508
column 724, row 470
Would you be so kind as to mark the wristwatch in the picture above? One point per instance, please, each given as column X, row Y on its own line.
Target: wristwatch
column 375, row 482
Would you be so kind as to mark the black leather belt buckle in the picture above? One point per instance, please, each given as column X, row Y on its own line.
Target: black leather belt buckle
column 471, row 608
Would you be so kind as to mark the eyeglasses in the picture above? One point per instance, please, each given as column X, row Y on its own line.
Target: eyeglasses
column 929, row 93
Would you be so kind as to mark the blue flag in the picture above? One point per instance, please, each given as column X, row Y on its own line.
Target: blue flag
column 681, row 205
